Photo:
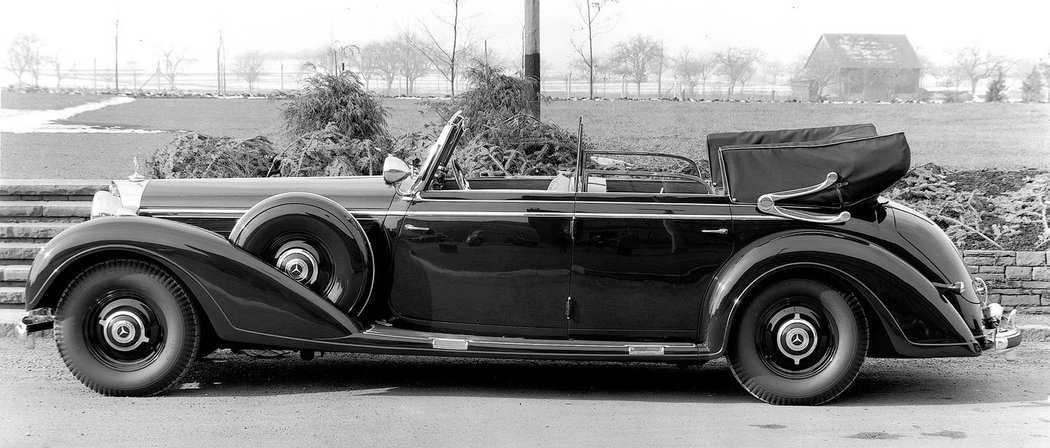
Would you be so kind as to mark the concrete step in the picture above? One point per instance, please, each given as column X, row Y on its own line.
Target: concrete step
column 52, row 189
column 19, row 251
column 13, row 295
column 31, row 231
column 45, row 209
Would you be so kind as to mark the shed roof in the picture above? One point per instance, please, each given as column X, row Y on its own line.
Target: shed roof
column 871, row 51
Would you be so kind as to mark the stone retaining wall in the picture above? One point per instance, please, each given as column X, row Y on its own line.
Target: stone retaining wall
column 1018, row 279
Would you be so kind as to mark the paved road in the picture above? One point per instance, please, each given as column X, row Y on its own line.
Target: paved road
column 366, row 400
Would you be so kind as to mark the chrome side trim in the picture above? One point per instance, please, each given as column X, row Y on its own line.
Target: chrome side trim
column 649, row 216
column 465, row 342
column 237, row 213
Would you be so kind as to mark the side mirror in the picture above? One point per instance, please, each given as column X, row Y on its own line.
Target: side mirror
column 395, row 170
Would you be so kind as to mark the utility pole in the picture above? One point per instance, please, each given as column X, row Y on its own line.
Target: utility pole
column 282, row 77
column 116, row 54
column 532, row 53
column 94, row 75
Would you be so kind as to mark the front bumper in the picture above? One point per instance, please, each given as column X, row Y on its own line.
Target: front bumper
column 34, row 322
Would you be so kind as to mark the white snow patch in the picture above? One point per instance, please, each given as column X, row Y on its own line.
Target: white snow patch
column 27, row 121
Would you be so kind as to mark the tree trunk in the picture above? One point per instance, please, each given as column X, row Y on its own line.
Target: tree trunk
column 590, row 50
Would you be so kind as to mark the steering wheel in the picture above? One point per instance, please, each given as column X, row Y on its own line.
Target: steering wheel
column 457, row 173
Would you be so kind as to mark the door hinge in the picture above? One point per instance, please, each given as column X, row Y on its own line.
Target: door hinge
column 568, row 308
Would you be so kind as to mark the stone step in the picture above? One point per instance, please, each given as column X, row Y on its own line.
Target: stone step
column 31, row 231
column 19, row 251
column 12, row 295
column 45, row 209
column 42, row 219
column 14, row 273
column 52, row 188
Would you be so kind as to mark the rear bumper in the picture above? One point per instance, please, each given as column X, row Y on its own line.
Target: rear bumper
column 1001, row 340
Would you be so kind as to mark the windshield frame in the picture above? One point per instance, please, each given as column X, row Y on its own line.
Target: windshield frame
column 440, row 151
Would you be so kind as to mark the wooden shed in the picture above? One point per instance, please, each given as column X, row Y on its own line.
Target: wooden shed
column 868, row 67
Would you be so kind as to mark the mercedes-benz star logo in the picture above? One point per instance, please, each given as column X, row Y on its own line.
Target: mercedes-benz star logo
column 797, row 339
column 295, row 270
column 123, row 332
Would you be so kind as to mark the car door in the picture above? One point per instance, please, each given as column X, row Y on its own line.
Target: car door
column 645, row 253
column 492, row 262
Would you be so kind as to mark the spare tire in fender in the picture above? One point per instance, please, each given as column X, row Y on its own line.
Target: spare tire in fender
column 315, row 241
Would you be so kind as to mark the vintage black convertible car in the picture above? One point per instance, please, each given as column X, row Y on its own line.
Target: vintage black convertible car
column 786, row 261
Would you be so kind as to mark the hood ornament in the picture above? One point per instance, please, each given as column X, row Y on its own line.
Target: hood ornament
column 136, row 177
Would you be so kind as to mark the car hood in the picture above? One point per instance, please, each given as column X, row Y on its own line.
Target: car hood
column 354, row 193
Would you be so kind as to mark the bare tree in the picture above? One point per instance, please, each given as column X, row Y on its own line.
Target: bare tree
column 133, row 67
column 172, row 60
column 659, row 59
column 446, row 58
column 412, row 64
column 249, row 66
column 56, row 64
column 738, row 64
column 636, row 58
column 384, row 56
column 590, row 10
column 330, row 58
column 368, row 61
column 973, row 65
column 690, row 70
column 23, row 56
column 1045, row 67
column 772, row 71
column 822, row 70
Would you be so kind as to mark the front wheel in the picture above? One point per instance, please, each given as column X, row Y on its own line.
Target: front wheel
column 126, row 328
column 799, row 342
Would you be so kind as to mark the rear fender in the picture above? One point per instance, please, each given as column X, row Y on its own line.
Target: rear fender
column 916, row 318
column 245, row 299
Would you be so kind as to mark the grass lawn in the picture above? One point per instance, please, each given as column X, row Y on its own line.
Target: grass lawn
column 952, row 135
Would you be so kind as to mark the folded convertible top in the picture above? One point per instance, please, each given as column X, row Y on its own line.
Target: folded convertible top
column 715, row 142
column 865, row 166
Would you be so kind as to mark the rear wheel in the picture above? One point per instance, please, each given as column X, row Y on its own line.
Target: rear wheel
column 799, row 342
column 126, row 328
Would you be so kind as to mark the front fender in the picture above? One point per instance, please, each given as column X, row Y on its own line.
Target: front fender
column 914, row 315
column 245, row 299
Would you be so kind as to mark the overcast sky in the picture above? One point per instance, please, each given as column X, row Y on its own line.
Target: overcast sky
column 783, row 30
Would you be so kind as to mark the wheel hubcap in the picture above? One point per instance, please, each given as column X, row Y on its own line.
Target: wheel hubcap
column 299, row 263
column 796, row 338
column 796, row 341
column 123, row 330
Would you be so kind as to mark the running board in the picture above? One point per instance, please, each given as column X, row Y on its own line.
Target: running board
column 470, row 345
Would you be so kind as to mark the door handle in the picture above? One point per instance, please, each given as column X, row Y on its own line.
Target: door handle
column 416, row 228
column 722, row 231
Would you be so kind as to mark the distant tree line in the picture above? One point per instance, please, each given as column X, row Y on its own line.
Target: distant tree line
column 445, row 45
